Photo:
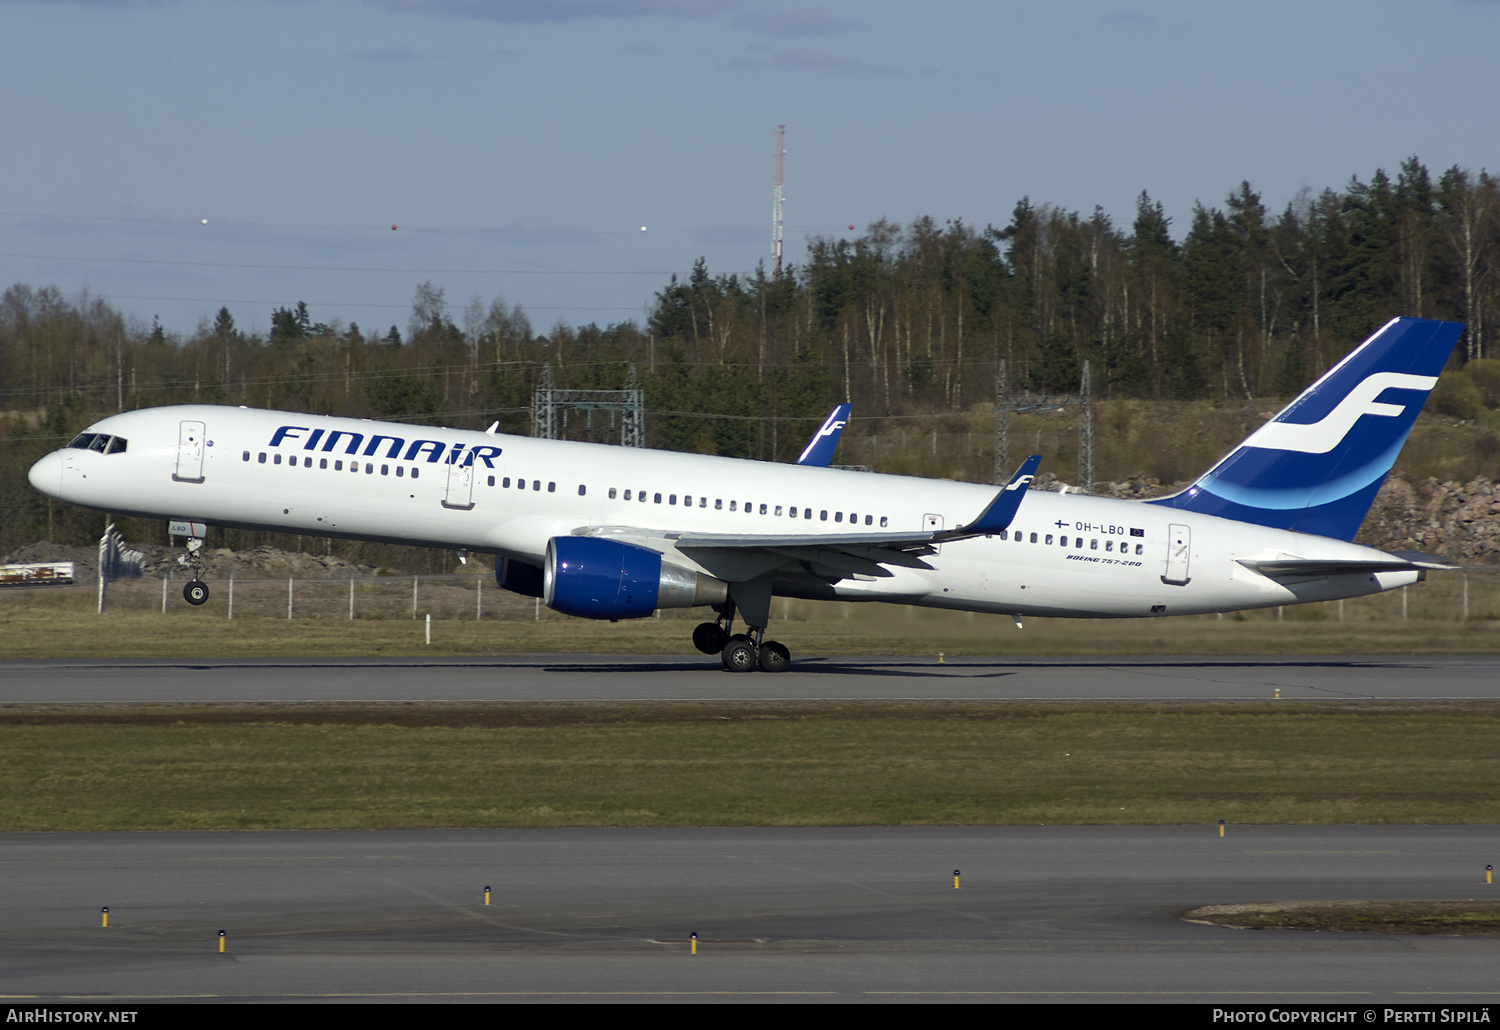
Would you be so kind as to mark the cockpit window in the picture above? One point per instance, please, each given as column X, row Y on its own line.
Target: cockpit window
column 101, row 442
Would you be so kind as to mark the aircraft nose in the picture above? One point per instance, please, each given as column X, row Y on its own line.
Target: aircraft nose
column 46, row 474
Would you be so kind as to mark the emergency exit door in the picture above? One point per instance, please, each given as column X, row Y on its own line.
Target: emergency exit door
column 189, row 453
column 1179, row 549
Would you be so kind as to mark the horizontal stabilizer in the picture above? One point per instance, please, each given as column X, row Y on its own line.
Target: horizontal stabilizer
column 1425, row 561
column 1296, row 568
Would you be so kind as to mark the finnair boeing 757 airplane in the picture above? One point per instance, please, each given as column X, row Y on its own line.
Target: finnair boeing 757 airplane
column 605, row 532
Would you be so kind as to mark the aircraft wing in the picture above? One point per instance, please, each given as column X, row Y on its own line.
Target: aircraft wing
column 853, row 553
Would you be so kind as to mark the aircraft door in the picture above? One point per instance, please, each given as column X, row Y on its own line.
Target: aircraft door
column 460, row 493
column 933, row 524
column 1179, row 547
column 189, row 453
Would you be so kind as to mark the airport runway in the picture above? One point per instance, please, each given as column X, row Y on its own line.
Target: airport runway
column 658, row 678
column 1043, row 914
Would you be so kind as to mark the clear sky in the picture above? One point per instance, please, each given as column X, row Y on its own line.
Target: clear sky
column 521, row 145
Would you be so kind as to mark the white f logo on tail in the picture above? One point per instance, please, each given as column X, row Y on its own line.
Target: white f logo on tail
column 1324, row 435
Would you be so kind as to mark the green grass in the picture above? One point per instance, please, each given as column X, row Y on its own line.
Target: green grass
column 49, row 623
column 382, row 766
column 1454, row 918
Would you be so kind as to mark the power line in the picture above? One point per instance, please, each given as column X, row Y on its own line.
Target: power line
column 328, row 268
column 386, row 227
column 350, row 304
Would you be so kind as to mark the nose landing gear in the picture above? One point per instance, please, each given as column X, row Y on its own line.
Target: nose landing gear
column 195, row 591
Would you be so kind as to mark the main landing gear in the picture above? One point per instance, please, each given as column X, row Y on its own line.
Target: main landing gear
column 741, row 652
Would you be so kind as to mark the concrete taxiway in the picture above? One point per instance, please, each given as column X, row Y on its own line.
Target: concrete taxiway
column 658, row 678
column 857, row 914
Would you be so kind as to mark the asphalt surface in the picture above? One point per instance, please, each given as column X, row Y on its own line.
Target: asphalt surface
column 859, row 914
column 1043, row 914
column 656, row 678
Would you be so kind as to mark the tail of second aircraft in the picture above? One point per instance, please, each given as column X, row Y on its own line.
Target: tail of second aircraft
column 1316, row 467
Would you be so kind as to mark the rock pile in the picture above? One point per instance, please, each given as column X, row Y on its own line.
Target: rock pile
column 1460, row 521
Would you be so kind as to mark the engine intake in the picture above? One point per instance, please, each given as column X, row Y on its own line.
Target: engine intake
column 606, row 579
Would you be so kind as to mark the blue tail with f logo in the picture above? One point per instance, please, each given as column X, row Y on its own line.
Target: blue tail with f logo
column 1316, row 467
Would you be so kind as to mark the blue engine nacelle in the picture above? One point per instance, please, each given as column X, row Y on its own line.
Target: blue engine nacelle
column 607, row 579
column 518, row 577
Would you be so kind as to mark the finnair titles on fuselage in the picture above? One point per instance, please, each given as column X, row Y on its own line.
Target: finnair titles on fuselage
column 614, row 533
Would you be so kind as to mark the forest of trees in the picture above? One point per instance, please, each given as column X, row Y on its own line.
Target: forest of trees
column 904, row 320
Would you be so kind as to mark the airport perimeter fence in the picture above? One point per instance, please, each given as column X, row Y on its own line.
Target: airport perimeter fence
column 1445, row 596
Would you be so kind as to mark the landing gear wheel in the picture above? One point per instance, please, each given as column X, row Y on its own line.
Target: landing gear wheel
column 195, row 592
column 774, row 657
column 710, row 638
column 739, row 654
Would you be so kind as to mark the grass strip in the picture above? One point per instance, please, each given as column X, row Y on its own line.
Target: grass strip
column 40, row 625
column 1451, row 918
column 175, row 767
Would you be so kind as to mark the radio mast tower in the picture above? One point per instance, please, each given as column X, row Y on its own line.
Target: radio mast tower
column 776, row 207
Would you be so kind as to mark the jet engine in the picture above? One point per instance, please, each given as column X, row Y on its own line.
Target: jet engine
column 607, row 579
column 519, row 577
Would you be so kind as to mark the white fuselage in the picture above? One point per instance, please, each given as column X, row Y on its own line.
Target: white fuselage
column 1064, row 554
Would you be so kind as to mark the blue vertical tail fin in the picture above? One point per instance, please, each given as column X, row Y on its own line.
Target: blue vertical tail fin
column 820, row 448
column 1316, row 467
